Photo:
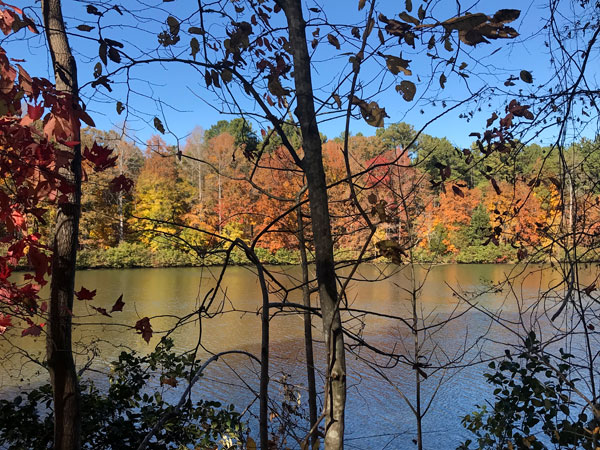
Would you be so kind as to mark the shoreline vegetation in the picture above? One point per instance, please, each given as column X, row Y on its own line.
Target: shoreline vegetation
column 132, row 255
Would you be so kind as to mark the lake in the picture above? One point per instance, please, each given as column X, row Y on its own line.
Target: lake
column 377, row 415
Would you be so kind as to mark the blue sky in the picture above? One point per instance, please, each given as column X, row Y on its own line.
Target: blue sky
column 186, row 103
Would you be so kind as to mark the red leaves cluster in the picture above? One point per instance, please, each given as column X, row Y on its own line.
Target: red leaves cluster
column 30, row 164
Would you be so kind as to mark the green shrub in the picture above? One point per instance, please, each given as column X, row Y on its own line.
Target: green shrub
column 486, row 254
column 120, row 417
column 533, row 405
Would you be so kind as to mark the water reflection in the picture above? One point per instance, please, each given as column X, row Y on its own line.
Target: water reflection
column 374, row 408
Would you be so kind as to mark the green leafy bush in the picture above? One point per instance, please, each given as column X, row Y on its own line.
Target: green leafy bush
column 533, row 406
column 120, row 417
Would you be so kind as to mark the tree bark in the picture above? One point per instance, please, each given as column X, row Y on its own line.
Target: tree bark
column 312, row 165
column 61, row 366
column 308, row 340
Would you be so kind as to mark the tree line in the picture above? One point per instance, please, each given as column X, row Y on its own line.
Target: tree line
column 455, row 206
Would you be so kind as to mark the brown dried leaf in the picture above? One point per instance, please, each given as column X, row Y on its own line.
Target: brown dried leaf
column 391, row 249
column 337, row 100
column 408, row 90
column 333, row 41
column 506, row 16
column 526, row 76
column 443, row 81
column 491, row 119
column 408, row 18
column 396, row 64
column 457, row 191
column 466, row 22
column 84, row 27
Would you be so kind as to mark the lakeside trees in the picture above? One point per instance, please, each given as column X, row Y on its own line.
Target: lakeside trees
column 368, row 195
column 453, row 226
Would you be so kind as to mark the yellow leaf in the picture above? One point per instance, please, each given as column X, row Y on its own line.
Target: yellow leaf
column 250, row 444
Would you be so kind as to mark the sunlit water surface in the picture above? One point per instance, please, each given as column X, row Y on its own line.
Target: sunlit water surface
column 377, row 415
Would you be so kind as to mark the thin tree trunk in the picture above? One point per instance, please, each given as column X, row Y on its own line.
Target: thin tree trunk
column 319, row 211
column 417, row 353
column 200, row 187
column 67, row 425
column 264, row 347
column 308, row 340
column 219, row 195
column 121, row 219
column 264, row 358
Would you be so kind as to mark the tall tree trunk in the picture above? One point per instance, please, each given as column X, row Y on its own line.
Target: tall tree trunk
column 308, row 340
column 319, row 211
column 67, row 425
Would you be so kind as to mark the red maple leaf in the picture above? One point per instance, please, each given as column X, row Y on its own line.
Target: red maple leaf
column 121, row 184
column 35, row 112
column 118, row 306
column 85, row 294
column 143, row 327
column 100, row 156
column 40, row 263
column 33, row 329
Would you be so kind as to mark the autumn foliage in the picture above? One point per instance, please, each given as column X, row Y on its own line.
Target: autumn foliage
column 30, row 165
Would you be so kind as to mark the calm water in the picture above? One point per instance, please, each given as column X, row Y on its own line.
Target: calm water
column 377, row 415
